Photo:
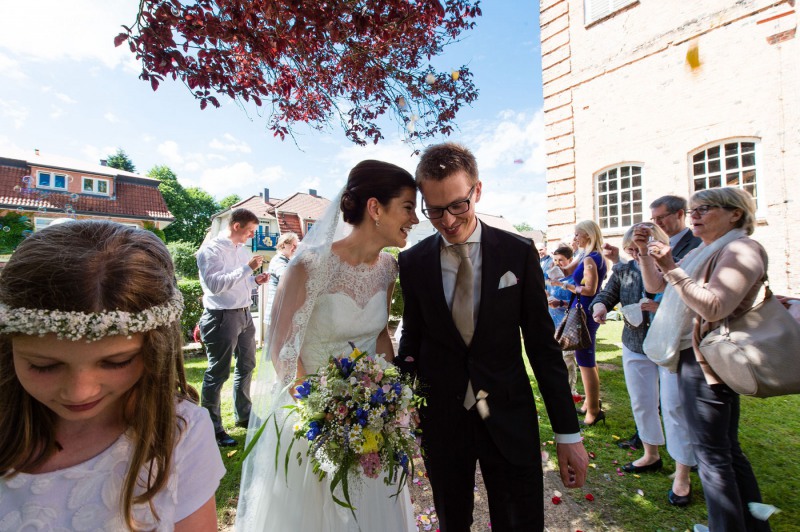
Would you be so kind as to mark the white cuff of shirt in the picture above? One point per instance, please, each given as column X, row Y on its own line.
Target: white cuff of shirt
column 568, row 438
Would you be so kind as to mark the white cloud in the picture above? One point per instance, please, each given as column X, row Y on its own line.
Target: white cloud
column 239, row 178
column 169, row 150
column 230, row 144
column 10, row 68
column 15, row 112
column 56, row 112
column 88, row 34
column 111, row 117
column 95, row 153
column 65, row 98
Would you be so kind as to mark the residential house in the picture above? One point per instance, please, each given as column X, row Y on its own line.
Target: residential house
column 297, row 214
column 46, row 188
column 644, row 98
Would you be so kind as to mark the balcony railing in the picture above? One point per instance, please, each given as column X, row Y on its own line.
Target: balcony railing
column 264, row 241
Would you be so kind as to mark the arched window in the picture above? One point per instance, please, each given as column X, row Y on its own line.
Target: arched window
column 731, row 163
column 619, row 196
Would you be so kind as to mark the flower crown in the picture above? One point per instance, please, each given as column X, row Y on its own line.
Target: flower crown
column 88, row 325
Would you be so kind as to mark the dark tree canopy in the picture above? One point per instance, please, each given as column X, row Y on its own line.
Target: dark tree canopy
column 120, row 161
column 313, row 62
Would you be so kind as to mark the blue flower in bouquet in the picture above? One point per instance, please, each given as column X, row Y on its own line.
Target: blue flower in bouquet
column 313, row 430
column 362, row 416
column 303, row 390
column 378, row 397
column 402, row 458
column 345, row 365
column 398, row 388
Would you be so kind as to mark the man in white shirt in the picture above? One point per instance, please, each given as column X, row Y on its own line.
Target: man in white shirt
column 227, row 276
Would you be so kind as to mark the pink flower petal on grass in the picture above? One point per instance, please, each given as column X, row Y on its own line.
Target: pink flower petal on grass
column 589, row 497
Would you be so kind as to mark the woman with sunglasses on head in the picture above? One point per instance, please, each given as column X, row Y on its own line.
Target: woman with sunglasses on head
column 588, row 272
column 721, row 278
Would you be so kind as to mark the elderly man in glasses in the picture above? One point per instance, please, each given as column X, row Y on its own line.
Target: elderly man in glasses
column 469, row 290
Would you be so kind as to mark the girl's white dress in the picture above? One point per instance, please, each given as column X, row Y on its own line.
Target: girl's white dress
column 353, row 308
column 86, row 496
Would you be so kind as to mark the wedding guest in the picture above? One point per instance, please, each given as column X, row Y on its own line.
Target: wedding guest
column 645, row 380
column 226, row 326
column 588, row 273
column 669, row 214
column 723, row 218
column 469, row 290
column 287, row 245
column 100, row 429
column 558, row 301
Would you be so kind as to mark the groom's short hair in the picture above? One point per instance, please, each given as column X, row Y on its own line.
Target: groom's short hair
column 442, row 160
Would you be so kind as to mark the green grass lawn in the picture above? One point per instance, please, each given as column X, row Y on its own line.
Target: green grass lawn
column 769, row 436
column 769, row 432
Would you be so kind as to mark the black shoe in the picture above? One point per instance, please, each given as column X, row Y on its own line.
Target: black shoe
column 634, row 442
column 679, row 500
column 243, row 423
column 655, row 466
column 601, row 416
column 694, row 469
column 224, row 440
column 583, row 412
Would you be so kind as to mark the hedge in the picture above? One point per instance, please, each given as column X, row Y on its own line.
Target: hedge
column 193, row 305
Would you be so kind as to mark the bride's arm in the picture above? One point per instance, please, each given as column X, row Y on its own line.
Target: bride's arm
column 384, row 342
column 281, row 337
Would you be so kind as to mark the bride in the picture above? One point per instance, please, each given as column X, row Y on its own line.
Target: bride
column 336, row 290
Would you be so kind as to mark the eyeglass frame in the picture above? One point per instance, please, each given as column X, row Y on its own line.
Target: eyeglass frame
column 657, row 219
column 467, row 201
column 704, row 209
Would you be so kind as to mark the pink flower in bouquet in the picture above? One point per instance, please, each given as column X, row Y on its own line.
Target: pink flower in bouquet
column 371, row 464
column 341, row 410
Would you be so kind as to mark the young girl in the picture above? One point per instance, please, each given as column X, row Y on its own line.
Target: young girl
column 100, row 429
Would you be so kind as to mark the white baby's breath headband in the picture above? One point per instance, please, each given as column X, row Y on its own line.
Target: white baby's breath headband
column 90, row 326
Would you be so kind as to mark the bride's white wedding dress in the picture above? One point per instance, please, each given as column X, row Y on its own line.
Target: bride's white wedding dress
column 352, row 308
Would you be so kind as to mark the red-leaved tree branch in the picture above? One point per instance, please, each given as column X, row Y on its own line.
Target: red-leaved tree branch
column 315, row 62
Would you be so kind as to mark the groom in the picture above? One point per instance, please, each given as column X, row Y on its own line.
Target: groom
column 468, row 292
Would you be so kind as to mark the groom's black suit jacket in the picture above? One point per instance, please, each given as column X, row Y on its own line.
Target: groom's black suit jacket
column 443, row 362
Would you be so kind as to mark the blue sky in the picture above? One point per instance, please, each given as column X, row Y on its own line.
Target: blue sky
column 66, row 90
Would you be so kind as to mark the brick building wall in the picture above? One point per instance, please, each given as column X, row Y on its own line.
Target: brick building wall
column 621, row 90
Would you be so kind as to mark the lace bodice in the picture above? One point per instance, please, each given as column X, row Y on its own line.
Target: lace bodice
column 352, row 308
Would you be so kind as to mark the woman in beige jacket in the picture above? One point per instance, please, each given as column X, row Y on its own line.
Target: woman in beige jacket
column 734, row 266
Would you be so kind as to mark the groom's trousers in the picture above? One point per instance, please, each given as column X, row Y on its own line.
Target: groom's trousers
column 515, row 492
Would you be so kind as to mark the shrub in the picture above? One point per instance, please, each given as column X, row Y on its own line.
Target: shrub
column 153, row 228
column 193, row 305
column 184, row 259
column 14, row 227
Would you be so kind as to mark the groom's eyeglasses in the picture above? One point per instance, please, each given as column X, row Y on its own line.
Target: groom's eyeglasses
column 455, row 208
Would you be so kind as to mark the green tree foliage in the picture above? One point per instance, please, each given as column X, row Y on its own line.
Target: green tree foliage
column 14, row 227
column 192, row 207
column 153, row 228
column 121, row 161
column 228, row 201
column 524, row 226
column 184, row 259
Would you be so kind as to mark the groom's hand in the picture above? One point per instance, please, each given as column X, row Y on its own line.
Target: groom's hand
column 572, row 463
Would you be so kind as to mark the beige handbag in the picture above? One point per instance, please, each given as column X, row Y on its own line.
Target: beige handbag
column 758, row 352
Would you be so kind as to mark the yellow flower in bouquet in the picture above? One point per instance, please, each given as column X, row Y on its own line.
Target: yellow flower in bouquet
column 372, row 441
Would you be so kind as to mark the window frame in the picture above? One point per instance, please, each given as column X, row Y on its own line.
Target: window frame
column 95, row 181
column 724, row 171
column 598, row 216
column 611, row 7
column 52, row 177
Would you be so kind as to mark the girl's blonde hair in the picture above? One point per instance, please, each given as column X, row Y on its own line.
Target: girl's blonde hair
column 594, row 233
column 95, row 266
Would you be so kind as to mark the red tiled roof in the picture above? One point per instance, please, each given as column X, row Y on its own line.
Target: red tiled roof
column 258, row 206
column 290, row 222
column 136, row 198
column 305, row 205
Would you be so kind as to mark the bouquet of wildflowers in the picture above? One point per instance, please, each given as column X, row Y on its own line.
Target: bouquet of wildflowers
column 356, row 415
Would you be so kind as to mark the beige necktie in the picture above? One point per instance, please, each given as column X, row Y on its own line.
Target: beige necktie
column 463, row 304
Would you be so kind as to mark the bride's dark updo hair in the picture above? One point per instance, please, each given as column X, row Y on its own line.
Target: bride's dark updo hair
column 372, row 179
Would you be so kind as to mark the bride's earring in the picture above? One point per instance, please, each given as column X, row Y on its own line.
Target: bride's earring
column 377, row 222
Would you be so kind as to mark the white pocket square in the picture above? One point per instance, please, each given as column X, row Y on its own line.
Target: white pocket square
column 508, row 279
